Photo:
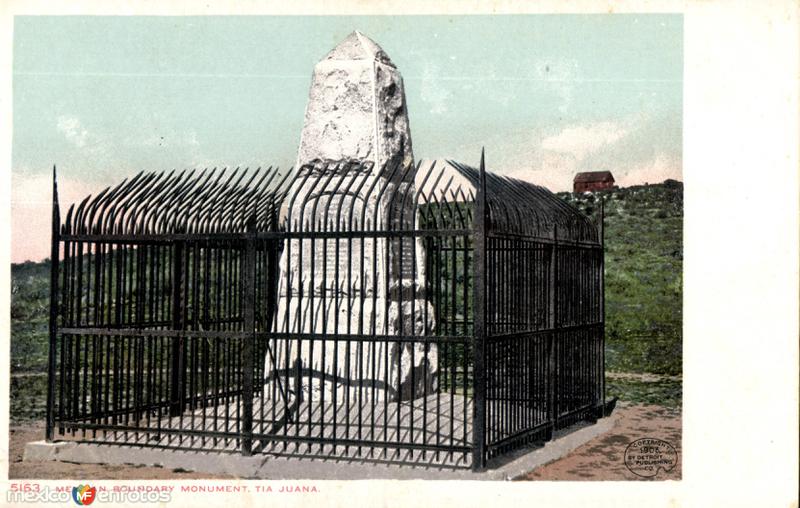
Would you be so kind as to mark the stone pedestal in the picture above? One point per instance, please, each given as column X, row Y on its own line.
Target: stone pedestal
column 354, row 149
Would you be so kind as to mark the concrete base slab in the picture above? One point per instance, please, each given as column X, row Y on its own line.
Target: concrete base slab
column 299, row 467
column 37, row 451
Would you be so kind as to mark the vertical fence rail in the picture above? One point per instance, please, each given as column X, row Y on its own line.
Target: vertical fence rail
column 248, row 346
column 54, row 302
column 178, row 342
column 479, row 324
column 552, row 357
column 602, row 277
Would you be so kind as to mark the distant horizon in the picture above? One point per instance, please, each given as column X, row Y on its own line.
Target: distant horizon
column 63, row 205
column 547, row 96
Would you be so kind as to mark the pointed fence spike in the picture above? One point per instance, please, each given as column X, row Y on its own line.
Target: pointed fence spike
column 55, row 187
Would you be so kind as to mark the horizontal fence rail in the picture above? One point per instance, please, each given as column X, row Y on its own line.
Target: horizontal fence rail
column 430, row 316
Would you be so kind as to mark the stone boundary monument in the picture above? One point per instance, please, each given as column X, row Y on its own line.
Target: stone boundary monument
column 430, row 314
column 356, row 174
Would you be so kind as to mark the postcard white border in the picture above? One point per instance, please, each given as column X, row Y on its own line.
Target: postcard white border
column 740, row 411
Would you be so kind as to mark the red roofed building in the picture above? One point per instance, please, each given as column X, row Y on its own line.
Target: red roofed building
column 593, row 181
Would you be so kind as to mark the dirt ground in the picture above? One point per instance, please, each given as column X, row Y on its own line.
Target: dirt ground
column 600, row 459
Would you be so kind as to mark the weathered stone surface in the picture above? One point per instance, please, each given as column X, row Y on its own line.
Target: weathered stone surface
column 356, row 112
column 356, row 107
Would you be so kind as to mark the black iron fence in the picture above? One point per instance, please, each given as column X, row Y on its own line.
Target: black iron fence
column 439, row 315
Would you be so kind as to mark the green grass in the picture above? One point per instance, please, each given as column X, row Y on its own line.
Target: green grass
column 28, row 397
column 30, row 295
column 644, row 268
column 664, row 392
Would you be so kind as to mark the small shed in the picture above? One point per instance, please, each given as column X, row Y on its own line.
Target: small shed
column 593, row 181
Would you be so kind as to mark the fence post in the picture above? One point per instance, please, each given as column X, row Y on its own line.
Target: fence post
column 176, row 378
column 603, row 304
column 271, row 274
column 479, row 323
column 53, row 328
column 248, row 351
column 552, row 359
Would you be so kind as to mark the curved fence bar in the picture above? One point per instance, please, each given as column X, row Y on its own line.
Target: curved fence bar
column 424, row 314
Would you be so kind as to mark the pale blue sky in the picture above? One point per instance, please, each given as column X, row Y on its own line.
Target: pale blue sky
column 547, row 95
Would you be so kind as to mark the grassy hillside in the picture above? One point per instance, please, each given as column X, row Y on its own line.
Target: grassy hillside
column 644, row 275
column 30, row 293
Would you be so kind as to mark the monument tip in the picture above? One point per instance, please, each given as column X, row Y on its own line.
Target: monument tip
column 358, row 46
